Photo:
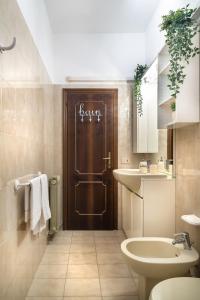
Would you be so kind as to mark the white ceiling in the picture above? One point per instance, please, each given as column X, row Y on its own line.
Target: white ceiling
column 100, row 16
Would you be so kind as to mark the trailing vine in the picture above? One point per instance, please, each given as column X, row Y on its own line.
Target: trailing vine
column 137, row 80
column 173, row 106
column 180, row 30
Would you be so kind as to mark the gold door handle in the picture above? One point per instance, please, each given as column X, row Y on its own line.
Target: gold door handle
column 108, row 159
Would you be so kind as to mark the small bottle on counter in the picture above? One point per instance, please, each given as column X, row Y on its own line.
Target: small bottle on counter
column 143, row 167
column 161, row 165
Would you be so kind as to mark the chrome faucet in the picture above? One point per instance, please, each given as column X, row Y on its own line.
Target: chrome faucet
column 183, row 238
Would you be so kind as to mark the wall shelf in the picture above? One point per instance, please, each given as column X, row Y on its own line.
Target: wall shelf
column 175, row 124
column 167, row 101
column 165, row 69
column 187, row 101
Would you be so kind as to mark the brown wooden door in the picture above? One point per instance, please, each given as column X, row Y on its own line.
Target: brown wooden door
column 90, row 135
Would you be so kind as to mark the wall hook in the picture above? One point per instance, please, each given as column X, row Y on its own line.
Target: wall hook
column 2, row 48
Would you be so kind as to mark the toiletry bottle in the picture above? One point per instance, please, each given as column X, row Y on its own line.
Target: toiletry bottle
column 143, row 167
column 161, row 165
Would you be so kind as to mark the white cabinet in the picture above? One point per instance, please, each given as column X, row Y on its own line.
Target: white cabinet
column 145, row 133
column 187, row 101
column 152, row 211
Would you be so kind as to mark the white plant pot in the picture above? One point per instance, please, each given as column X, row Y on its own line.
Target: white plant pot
column 173, row 115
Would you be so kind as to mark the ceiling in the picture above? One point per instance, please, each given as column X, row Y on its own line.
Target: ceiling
column 100, row 16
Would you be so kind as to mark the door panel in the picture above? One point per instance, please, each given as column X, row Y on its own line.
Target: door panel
column 90, row 136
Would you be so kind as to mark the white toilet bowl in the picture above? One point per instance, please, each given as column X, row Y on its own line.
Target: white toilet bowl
column 179, row 288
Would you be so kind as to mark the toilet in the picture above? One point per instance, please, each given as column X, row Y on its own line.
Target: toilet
column 179, row 288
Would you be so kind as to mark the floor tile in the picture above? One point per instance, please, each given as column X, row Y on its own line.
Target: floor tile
column 106, row 233
column 44, row 298
column 82, row 287
column 108, row 248
column 82, row 258
column 83, row 233
column 82, row 248
column 106, row 239
column 47, row 288
column 112, row 271
column 55, row 259
column 58, row 248
column 51, row 271
column 60, row 241
column 64, row 233
column 82, row 298
column 121, row 298
column 83, row 239
column 118, row 287
column 82, row 271
column 110, row 258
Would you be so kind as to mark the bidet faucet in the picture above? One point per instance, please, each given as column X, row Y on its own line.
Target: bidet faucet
column 182, row 238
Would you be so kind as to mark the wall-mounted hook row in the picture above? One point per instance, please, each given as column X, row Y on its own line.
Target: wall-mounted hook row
column 10, row 47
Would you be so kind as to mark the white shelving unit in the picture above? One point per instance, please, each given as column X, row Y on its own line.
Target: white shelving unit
column 187, row 101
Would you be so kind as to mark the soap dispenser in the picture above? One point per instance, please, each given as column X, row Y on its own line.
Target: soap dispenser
column 161, row 165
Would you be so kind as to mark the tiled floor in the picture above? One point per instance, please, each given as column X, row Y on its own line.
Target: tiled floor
column 80, row 265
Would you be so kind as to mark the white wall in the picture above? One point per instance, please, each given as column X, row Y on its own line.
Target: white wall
column 97, row 55
column 154, row 38
column 35, row 15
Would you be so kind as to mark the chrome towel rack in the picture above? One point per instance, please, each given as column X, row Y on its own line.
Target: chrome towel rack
column 10, row 47
column 25, row 181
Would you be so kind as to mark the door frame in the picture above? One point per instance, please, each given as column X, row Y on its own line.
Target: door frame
column 65, row 147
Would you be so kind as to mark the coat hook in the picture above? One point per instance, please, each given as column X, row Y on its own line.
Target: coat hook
column 2, row 48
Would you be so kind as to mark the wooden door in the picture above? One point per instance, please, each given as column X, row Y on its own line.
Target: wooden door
column 90, row 136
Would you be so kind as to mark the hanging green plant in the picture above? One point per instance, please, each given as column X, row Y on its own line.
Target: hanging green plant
column 173, row 106
column 137, row 81
column 180, row 30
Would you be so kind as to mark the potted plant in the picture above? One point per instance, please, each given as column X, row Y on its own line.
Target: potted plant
column 180, row 29
column 137, row 82
column 173, row 109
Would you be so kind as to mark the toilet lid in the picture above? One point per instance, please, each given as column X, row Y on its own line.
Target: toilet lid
column 180, row 288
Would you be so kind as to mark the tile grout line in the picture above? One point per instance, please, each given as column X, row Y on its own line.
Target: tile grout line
column 65, row 286
column 101, row 296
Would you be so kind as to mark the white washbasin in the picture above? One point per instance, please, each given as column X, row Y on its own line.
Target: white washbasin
column 157, row 258
column 181, row 288
column 131, row 178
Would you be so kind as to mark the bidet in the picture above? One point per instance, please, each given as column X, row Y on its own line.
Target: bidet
column 156, row 259
column 183, row 238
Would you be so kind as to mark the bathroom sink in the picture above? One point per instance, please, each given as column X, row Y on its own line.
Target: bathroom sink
column 181, row 288
column 157, row 257
column 131, row 178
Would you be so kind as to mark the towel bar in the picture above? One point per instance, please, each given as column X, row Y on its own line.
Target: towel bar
column 24, row 181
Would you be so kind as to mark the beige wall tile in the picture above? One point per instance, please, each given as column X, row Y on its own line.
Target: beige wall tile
column 187, row 160
column 26, row 146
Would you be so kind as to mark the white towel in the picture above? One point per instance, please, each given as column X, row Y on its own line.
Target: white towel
column 46, row 213
column 27, row 204
column 35, row 204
